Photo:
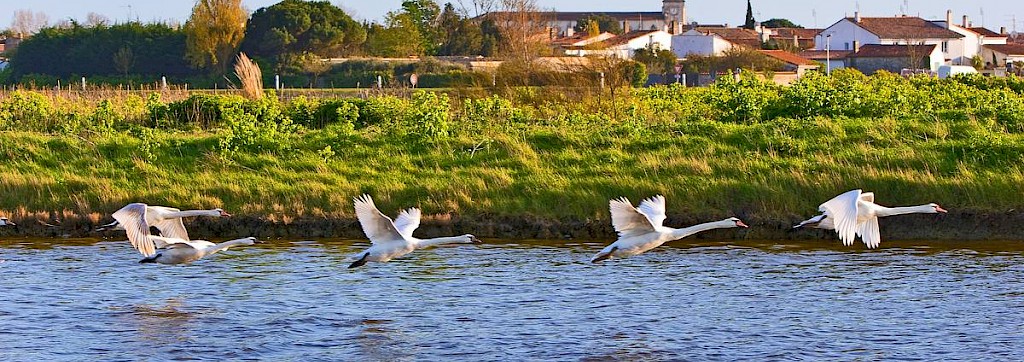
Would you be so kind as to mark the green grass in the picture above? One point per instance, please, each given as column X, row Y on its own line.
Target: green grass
column 521, row 155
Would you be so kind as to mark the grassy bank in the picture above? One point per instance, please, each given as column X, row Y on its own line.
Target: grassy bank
column 744, row 148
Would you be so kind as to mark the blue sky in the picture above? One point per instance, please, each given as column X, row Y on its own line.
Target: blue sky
column 804, row 12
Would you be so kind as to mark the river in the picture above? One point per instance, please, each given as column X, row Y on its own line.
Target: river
column 87, row 299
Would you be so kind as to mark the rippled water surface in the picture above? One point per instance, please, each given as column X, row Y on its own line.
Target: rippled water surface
column 503, row 300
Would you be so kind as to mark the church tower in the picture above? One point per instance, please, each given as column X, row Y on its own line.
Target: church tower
column 675, row 15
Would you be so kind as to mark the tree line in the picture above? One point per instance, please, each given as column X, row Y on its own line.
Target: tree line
column 290, row 37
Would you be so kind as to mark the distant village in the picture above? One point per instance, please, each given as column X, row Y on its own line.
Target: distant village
column 671, row 46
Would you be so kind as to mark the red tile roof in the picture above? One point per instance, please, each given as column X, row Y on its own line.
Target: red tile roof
column 986, row 32
column 1008, row 49
column 904, row 27
column 821, row 54
column 735, row 35
column 800, row 33
column 893, row 51
column 788, row 57
column 625, row 38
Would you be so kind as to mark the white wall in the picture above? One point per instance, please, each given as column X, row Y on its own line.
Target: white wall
column 844, row 33
column 695, row 42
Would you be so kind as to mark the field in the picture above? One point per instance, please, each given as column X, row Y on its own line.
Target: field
column 746, row 148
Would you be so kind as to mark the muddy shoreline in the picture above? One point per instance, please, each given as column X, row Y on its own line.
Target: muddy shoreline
column 956, row 225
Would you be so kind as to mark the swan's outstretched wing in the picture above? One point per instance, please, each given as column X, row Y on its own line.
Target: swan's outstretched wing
column 408, row 220
column 821, row 222
column 654, row 209
column 843, row 211
column 868, row 196
column 627, row 220
column 133, row 218
column 378, row 227
column 171, row 227
column 869, row 234
column 174, row 243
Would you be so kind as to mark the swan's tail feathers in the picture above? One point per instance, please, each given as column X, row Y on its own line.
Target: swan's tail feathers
column 110, row 226
column 360, row 262
column 149, row 259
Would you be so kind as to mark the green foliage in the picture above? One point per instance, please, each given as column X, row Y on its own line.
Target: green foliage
column 658, row 61
column 431, row 116
column 26, row 110
column 293, row 27
column 399, row 37
column 780, row 23
column 603, row 23
column 155, row 50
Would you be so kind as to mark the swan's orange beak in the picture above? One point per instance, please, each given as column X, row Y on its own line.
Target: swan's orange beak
column 741, row 224
column 940, row 209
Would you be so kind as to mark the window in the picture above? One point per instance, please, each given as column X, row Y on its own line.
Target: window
column 945, row 47
column 846, row 46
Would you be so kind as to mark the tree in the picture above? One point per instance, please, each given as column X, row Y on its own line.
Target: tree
column 93, row 20
column 603, row 22
column 214, row 32
column 124, row 59
column 400, row 37
column 290, row 28
column 25, row 22
column 750, row 23
column 424, row 14
column 522, row 29
column 459, row 36
column 658, row 61
column 780, row 23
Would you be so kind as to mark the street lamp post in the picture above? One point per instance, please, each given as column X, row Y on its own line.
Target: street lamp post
column 828, row 58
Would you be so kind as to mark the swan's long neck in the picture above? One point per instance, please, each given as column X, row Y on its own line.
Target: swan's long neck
column 225, row 245
column 426, row 243
column 687, row 231
column 890, row 211
column 188, row 213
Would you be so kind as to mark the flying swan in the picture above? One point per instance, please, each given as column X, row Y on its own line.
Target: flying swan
column 392, row 239
column 167, row 220
column 166, row 250
column 855, row 213
column 640, row 228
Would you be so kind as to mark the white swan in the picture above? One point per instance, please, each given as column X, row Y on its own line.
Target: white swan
column 172, row 250
column 640, row 228
column 167, row 220
column 855, row 213
column 391, row 239
column 5, row 222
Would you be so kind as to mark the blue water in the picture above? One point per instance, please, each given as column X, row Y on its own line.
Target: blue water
column 504, row 300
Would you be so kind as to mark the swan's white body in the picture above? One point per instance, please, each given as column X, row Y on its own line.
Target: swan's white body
column 167, row 220
column 854, row 213
column 133, row 218
column 5, row 222
column 640, row 228
column 392, row 239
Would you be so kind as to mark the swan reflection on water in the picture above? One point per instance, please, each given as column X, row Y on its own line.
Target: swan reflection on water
column 170, row 322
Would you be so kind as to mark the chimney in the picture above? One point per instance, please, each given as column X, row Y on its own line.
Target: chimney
column 796, row 41
column 856, row 17
column 949, row 19
column 965, row 23
column 625, row 26
column 1002, row 30
column 856, row 46
column 569, row 32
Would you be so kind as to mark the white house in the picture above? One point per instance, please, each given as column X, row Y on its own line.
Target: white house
column 671, row 18
column 851, row 33
column 997, row 55
column 714, row 40
column 623, row 46
column 973, row 39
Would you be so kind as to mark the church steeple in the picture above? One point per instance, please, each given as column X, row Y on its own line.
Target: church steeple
column 675, row 15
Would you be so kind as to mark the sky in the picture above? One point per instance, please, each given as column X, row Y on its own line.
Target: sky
column 809, row 13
